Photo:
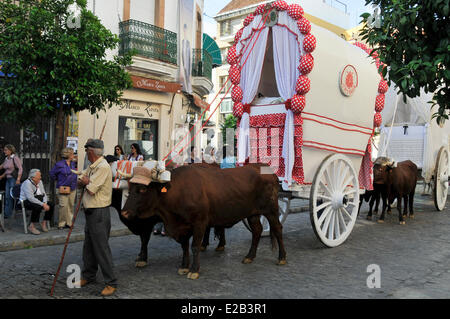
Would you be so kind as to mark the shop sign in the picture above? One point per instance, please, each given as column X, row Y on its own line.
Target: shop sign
column 155, row 85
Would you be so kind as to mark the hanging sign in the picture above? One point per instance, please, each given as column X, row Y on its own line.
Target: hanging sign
column 155, row 85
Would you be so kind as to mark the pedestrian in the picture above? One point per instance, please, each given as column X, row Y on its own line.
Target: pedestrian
column 34, row 198
column 97, row 180
column 66, row 183
column 209, row 156
column 2, row 159
column 119, row 153
column 13, row 172
column 159, row 229
column 136, row 153
column 193, row 158
column 229, row 161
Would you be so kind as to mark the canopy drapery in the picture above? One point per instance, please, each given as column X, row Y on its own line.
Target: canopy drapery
column 287, row 50
column 252, row 51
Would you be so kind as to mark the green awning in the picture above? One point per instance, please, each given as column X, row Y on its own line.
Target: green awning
column 211, row 46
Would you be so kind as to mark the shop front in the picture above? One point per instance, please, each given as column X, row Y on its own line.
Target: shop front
column 144, row 132
column 145, row 117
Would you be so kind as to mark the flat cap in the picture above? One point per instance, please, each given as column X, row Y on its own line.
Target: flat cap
column 141, row 175
column 94, row 143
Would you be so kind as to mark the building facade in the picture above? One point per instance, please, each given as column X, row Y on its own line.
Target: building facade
column 170, row 74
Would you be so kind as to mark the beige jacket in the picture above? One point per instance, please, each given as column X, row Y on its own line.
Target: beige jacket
column 100, row 184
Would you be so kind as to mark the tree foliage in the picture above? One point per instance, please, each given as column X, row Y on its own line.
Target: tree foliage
column 229, row 122
column 412, row 39
column 53, row 67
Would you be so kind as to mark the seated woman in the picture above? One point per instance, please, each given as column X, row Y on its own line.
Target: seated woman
column 33, row 195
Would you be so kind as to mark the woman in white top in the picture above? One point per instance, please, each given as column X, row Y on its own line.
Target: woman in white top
column 136, row 153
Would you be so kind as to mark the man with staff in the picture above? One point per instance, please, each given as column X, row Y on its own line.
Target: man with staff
column 97, row 180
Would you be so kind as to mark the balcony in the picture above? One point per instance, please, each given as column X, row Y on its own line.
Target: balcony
column 201, row 63
column 202, row 71
column 148, row 41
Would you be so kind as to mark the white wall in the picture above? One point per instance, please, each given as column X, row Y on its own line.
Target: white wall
column 170, row 15
column 325, row 12
column 143, row 10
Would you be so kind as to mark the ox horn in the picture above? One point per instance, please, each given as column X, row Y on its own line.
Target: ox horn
column 124, row 175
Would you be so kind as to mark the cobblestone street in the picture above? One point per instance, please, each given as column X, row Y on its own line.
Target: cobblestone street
column 413, row 261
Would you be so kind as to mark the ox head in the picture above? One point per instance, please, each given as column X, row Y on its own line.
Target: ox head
column 382, row 168
column 146, row 187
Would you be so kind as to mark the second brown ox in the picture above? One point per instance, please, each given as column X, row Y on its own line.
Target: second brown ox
column 399, row 180
column 198, row 197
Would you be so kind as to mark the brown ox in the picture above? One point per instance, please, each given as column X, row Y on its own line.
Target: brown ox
column 400, row 180
column 198, row 197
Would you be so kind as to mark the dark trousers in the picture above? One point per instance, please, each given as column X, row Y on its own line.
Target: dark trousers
column 96, row 250
column 37, row 209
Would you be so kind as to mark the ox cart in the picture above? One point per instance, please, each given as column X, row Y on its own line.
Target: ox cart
column 410, row 133
column 315, row 124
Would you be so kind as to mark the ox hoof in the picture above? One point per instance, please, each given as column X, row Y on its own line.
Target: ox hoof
column 220, row 248
column 369, row 217
column 183, row 271
column 282, row 262
column 203, row 248
column 193, row 275
column 402, row 222
column 141, row 264
column 247, row 261
column 380, row 221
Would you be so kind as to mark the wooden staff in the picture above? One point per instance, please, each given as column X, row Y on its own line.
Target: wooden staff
column 71, row 227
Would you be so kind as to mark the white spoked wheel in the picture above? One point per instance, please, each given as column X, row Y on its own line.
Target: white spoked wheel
column 284, row 212
column 334, row 200
column 440, row 190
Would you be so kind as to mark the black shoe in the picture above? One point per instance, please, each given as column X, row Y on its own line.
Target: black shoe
column 157, row 232
column 67, row 226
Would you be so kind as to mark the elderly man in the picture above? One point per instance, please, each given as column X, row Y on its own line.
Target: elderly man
column 97, row 180
column 33, row 195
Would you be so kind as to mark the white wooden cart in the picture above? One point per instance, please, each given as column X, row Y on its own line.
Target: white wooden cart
column 331, row 87
column 409, row 132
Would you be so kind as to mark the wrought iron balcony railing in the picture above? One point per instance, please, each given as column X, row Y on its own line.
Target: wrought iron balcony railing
column 201, row 63
column 148, row 41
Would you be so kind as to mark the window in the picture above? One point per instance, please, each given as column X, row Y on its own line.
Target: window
column 226, row 106
column 144, row 132
column 225, row 28
column 222, row 80
column 224, row 53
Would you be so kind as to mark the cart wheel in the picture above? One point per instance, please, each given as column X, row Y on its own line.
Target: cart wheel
column 265, row 223
column 440, row 189
column 334, row 200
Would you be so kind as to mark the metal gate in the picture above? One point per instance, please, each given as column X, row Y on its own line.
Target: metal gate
column 33, row 145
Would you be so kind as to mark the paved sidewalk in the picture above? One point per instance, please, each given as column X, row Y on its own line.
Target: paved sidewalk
column 14, row 237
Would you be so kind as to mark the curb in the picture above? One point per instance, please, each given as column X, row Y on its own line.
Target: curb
column 54, row 240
